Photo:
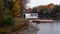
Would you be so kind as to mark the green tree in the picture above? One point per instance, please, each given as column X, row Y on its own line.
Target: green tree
column 34, row 10
column 54, row 11
column 5, row 15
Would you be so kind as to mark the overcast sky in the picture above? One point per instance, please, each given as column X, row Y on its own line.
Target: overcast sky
column 33, row 3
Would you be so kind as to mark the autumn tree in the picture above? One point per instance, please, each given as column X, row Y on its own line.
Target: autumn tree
column 8, row 9
column 19, row 7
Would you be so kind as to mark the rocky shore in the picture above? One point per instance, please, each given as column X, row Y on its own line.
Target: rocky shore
column 31, row 29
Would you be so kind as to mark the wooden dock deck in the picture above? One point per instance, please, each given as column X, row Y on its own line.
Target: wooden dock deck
column 43, row 21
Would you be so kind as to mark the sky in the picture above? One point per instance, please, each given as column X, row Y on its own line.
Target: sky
column 33, row 3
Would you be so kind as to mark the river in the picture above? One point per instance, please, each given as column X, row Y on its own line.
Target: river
column 43, row 28
column 49, row 28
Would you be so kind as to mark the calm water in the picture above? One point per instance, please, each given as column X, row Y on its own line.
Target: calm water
column 49, row 28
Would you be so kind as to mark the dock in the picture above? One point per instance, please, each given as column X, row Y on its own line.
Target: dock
column 43, row 21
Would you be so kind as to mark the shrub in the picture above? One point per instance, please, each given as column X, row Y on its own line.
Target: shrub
column 5, row 18
column 18, row 23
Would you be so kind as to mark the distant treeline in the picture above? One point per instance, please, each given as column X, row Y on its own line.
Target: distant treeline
column 50, row 11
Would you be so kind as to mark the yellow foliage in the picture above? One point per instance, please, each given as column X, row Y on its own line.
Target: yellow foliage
column 16, row 8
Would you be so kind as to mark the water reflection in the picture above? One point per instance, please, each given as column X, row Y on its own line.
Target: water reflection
column 49, row 28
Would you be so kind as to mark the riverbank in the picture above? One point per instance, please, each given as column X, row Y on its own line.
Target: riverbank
column 31, row 29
